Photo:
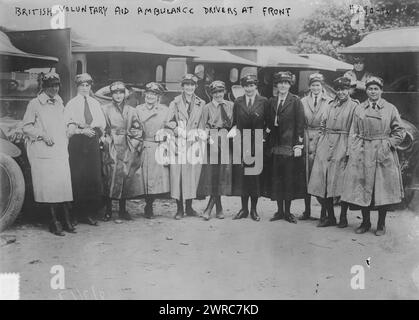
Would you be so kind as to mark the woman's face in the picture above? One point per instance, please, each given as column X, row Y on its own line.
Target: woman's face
column 316, row 87
column 118, row 96
column 250, row 89
column 342, row 93
column 151, row 98
column 84, row 89
column 359, row 66
column 283, row 87
column 218, row 96
column 52, row 91
column 374, row 92
column 189, row 88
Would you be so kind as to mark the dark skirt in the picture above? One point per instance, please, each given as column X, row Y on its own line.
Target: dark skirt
column 85, row 166
column 245, row 185
column 284, row 178
column 216, row 179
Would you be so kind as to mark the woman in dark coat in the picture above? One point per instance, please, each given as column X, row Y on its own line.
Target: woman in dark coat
column 249, row 112
column 216, row 178
column 86, row 124
column 285, row 179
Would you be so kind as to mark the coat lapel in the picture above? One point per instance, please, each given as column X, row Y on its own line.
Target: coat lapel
column 244, row 106
column 286, row 103
column 183, row 109
column 310, row 103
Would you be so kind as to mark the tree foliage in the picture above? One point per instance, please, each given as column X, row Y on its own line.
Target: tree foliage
column 329, row 28
column 242, row 34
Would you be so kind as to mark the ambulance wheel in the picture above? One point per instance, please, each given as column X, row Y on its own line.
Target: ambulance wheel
column 12, row 191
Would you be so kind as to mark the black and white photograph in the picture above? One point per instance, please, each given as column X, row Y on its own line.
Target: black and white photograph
column 209, row 150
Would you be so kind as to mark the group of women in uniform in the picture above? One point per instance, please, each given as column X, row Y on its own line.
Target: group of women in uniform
column 316, row 146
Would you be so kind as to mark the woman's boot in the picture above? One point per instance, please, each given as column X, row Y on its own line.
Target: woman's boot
column 148, row 209
column 179, row 213
column 288, row 215
column 207, row 212
column 67, row 220
column 307, row 212
column 366, row 223
column 219, row 214
column 343, row 220
column 55, row 226
column 108, row 210
column 330, row 220
column 189, row 210
column 123, row 213
column 381, row 224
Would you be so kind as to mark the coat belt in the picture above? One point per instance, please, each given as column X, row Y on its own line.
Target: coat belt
column 372, row 138
column 120, row 132
column 336, row 131
column 308, row 127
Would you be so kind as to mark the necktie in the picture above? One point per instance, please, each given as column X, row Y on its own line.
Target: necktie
column 315, row 101
column 276, row 114
column 249, row 103
column 374, row 105
column 52, row 100
column 224, row 118
column 87, row 114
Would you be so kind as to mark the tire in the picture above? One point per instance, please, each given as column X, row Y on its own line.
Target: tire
column 12, row 188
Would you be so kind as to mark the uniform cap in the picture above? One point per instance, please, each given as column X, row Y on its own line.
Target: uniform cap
column 282, row 76
column 83, row 77
column 374, row 80
column 217, row 85
column 249, row 79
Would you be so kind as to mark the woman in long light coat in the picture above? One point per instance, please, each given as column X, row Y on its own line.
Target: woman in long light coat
column 152, row 178
column 373, row 178
column 326, row 180
column 45, row 128
column 185, row 120
column 123, row 137
column 315, row 104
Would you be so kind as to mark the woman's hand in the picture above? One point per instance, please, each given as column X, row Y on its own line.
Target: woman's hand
column 47, row 139
column 88, row 132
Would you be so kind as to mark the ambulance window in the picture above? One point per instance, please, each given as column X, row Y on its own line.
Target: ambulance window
column 79, row 67
column 234, row 75
column 159, row 73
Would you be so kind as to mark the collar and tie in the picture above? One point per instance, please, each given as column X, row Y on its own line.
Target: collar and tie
column 51, row 100
column 87, row 113
column 279, row 106
column 224, row 118
column 250, row 102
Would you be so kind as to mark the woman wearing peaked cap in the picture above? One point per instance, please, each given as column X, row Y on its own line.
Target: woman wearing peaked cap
column 86, row 124
column 285, row 144
column 358, row 76
column 249, row 114
column 216, row 178
column 326, row 178
column 45, row 127
column 315, row 104
column 373, row 178
column 185, row 119
column 151, row 178
column 123, row 136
